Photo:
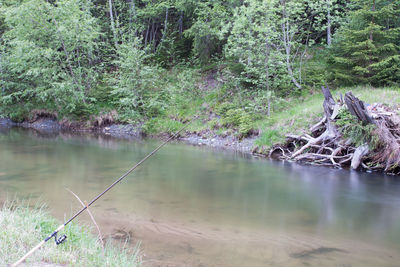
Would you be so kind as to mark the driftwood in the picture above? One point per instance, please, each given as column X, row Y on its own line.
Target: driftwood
column 357, row 108
column 326, row 144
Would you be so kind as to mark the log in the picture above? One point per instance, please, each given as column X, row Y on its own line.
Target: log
column 357, row 108
column 360, row 152
column 329, row 102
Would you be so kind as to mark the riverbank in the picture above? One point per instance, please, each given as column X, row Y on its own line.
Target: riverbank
column 23, row 226
column 211, row 128
column 135, row 132
column 194, row 206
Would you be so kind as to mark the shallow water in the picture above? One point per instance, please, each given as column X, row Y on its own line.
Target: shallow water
column 192, row 206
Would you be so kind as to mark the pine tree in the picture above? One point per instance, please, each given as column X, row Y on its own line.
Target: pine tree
column 367, row 47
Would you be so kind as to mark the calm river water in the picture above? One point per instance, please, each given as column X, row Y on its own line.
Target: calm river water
column 193, row 206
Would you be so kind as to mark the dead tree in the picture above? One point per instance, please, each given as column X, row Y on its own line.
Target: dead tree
column 326, row 144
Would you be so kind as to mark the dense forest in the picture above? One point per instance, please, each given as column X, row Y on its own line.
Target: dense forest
column 145, row 59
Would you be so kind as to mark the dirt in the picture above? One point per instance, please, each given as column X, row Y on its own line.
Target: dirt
column 42, row 125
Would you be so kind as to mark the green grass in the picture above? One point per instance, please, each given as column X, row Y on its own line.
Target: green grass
column 299, row 115
column 293, row 115
column 162, row 125
column 22, row 227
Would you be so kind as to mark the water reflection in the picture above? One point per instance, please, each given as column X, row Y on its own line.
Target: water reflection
column 186, row 193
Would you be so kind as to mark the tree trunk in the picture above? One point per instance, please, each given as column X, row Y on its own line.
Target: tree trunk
column 152, row 32
column 266, row 62
column 132, row 13
column 154, row 36
column 286, row 43
column 357, row 108
column 165, row 25
column 147, row 34
column 371, row 37
column 112, row 22
column 180, row 23
column 360, row 152
column 328, row 29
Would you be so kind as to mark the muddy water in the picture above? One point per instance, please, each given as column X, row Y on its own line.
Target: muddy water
column 191, row 206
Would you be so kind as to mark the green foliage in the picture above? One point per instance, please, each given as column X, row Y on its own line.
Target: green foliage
column 235, row 117
column 315, row 72
column 269, row 138
column 223, row 108
column 153, row 59
column 22, row 226
column 135, row 81
column 266, row 39
column 210, row 17
column 214, row 124
column 245, row 125
column 15, row 112
column 161, row 125
column 356, row 131
column 368, row 45
column 48, row 53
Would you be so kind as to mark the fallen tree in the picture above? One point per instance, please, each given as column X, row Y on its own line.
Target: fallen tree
column 350, row 134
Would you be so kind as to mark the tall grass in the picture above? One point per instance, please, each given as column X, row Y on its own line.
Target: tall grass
column 22, row 227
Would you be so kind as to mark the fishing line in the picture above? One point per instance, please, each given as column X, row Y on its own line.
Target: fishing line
column 63, row 238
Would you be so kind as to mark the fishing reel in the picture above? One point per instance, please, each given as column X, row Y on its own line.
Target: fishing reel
column 60, row 240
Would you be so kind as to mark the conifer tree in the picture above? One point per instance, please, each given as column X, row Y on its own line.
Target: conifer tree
column 367, row 47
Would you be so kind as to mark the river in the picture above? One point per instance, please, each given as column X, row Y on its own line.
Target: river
column 195, row 206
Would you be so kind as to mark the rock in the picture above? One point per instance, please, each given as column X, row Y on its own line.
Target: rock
column 6, row 122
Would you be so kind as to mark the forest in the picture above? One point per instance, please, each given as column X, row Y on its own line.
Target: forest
column 161, row 61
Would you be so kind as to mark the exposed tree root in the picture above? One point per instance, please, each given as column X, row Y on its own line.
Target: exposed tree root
column 326, row 144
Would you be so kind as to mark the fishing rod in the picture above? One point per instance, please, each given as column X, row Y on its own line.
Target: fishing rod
column 64, row 237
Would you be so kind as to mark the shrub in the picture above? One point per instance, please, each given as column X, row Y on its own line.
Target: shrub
column 358, row 132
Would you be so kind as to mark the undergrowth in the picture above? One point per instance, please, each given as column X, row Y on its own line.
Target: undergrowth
column 355, row 130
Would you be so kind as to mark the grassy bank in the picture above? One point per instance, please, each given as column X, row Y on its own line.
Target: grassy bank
column 223, row 107
column 300, row 114
column 22, row 227
column 245, row 114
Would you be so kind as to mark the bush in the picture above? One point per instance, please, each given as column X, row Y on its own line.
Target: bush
column 235, row 117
